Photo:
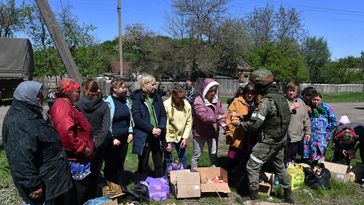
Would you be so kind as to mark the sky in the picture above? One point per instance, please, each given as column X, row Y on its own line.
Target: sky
column 340, row 22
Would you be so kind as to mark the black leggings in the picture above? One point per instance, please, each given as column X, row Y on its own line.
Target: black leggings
column 157, row 156
column 114, row 160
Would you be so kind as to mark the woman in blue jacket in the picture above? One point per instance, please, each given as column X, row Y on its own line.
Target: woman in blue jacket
column 150, row 119
column 121, row 131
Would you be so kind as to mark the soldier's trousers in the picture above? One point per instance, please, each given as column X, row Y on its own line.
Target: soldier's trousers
column 262, row 153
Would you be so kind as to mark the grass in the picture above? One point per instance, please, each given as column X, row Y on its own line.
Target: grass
column 343, row 97
column 8, row 192
column 340, row 193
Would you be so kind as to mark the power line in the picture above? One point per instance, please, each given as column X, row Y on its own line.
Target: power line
column 311, row 8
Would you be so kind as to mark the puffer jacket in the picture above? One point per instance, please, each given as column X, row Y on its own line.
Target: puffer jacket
column 73, row 129
column 143, row 128
column 235, row 135
column 206, row 115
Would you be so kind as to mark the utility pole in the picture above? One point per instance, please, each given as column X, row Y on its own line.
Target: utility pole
column 120, row 39
column 50, row 21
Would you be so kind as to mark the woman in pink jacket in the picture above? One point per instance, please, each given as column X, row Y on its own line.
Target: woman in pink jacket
column 208, row 116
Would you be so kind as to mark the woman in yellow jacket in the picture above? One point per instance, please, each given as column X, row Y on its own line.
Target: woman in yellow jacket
column 178, row 128
column 240, row 143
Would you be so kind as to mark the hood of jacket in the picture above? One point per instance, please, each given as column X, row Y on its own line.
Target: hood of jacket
column 88, row 104
column 206, row 85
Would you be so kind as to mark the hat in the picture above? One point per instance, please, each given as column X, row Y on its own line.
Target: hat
column 67, row 86
column 344, row 120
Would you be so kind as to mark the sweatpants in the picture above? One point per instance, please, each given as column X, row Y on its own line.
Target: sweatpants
column 198, row 145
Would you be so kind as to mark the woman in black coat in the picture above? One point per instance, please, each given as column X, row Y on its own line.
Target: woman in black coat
column 38, row 163
column 150, row 119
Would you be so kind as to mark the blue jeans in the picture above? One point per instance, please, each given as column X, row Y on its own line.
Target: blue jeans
column 182, row 155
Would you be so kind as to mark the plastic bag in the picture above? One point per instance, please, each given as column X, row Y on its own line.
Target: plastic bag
column 98, row 201
column 296, row 176
column 158, row 188
column 317, row 177
column 141, row 192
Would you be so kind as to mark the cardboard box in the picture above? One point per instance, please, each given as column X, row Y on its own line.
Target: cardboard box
column 185, row 184
column 207, row 174
column 266, row 187
column 339, row 172
column 112, row 190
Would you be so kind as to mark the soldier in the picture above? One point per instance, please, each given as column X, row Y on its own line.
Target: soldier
column 271, row 118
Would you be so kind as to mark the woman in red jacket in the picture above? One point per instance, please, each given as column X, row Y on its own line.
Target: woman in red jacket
column 75, row 133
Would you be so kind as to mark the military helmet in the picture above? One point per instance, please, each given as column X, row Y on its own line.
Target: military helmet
column 261, row 77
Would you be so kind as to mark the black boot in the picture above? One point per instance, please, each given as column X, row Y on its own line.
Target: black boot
column 253, row 194
column 288, row 196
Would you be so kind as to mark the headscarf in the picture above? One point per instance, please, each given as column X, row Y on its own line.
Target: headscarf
column 317, row 111
column 27, row 91
column 344, row 120
column 67, row 86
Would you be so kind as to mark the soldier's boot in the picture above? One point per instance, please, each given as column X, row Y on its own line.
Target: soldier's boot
column 288, row 196
column 253, row 194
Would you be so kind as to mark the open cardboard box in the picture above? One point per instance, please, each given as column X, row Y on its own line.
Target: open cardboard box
column 113, row 191
column 266, row 187
column 185, row 184
column 209, row 173
column 339, row 172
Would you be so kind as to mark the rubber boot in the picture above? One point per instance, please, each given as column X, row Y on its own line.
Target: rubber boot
column 253, row 194
column 288, row 196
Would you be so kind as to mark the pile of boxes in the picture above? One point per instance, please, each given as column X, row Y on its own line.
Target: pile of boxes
column 190, row 184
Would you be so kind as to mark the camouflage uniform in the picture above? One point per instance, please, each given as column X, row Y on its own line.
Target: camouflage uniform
column 271, row 118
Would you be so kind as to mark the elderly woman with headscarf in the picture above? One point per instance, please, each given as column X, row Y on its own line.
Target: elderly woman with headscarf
column 37, row 161
column 75, row 133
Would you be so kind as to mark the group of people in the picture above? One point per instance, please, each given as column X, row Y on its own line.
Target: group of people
column 56, row 156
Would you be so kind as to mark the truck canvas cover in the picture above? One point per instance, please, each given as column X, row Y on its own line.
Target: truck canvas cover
column 16, row 59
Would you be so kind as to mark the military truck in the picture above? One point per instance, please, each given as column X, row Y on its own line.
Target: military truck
column 16, row 65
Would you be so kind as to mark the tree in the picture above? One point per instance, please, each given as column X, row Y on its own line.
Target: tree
column 316, row 55
column 11, row 18
column 289, row 25
column 197, row 23
column 344, row 70
column 232, row 45
column 78, row 38
column 202, row 17
column 135, row 47
column 266, row 25
column 76, row 35
column 261, row 25
column 286, row 62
